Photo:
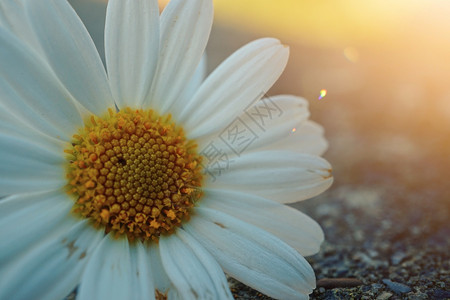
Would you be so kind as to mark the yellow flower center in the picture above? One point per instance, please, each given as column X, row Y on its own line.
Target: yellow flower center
column 133, row 172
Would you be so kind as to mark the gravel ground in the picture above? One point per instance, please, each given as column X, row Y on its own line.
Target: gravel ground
column 395, row 244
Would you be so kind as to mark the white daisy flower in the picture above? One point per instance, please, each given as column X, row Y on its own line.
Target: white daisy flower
column 106, row 182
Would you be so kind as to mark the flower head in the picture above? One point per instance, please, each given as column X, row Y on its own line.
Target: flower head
column 144, row 179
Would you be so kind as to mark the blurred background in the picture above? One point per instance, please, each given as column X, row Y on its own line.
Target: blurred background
column 385, row 66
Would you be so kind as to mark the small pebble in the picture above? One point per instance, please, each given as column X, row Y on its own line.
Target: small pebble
column 377, row 286
column 397, row 257
column 397, row 287
column 372, row 253
column 384, row 296
column 418, row 296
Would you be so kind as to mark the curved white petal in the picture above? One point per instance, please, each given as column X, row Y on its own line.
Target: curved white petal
column 141, row 273
column 131, row 48
column 265, row 123
column 238, row 82
column 52, row 267
column 160, row 279
column 288, row 224
column 11, row 125
column 253, row 256
column 107, row 275
column 70, row 52
column 30, row 91
column 185, row 28
column 275, row 117
column 27, row 218
column 307, row 138
column 13, row 17
column 27, row 167
column 192, row 271
column 191, row 88
column 281, row 176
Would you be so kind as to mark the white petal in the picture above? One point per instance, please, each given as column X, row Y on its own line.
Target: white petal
column 267, row 122
column 30, row 91
column 253, row 256
column 288, row 224
column 185, row 28
column 131, row 48
column 141, row 274
column 71, row 52
column 107, row 275
column 13, row 17
column 27, row 218
column 238, row 82
column 160, row 279
column 191, row 88
column 27, row 167
column 307, row 138
column 192, row 270
column 281, row 176
column 276, row 116
column 51, row 269
column 10, row 125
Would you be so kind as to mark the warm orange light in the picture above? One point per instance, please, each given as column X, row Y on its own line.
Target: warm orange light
column 162, row 4
column 335, row 23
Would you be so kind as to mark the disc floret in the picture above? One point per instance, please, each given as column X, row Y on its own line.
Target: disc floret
column 134, row 172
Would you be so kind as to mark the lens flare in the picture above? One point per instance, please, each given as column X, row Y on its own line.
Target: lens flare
column 323, row 93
